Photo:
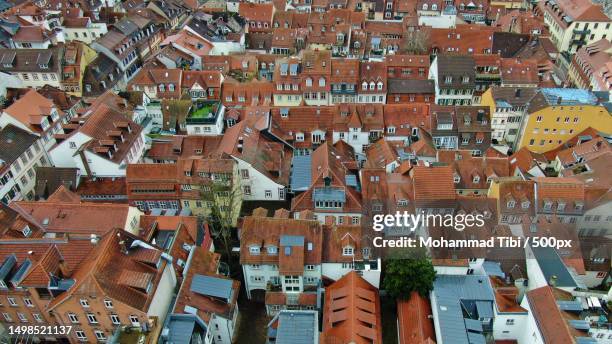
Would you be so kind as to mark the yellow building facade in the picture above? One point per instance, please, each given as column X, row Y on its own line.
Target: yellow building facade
column 554, row 117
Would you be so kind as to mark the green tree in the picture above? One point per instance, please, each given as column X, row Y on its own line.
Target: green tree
column 412, row 271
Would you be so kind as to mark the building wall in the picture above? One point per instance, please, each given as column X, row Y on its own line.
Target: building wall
column 163, row 294
column 596, row 221
column 85, row 34
column 508, row 326
column 580, row 118
column 259, row 183
column 530, row 333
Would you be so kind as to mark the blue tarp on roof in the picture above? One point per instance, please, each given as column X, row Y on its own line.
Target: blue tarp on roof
column 301, row 173
column 212, row 286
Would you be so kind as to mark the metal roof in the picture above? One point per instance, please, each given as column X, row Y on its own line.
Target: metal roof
column 292, row 240
column 580, row 325
column 473, row 325
column 7, row 266
column 180, row 327
column 449, row 292
column 476, row 338
column 493, row 269
column 568, row 96
column 329, row 194
column 575, row 305
column 301, row 173
column 212, row 286
column 586, row 340
column 484, row 309
column 551, row 265
column 297, row 327
column 21, row 272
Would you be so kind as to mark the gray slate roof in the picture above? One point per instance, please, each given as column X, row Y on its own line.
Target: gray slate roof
column 14, row 142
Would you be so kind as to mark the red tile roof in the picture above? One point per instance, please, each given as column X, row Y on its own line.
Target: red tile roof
column 352, row 312
column 414, row 323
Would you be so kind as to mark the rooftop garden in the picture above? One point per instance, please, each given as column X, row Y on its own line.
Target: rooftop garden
column 203, row 110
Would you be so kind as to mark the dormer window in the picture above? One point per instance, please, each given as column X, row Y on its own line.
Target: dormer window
column 372, row 85
column 476, row 179
column 456, row 179
column 43, row 66
column 26, row 231
column 348, row 251
column 322, row 82
column 364, row 86
column 188, row 173
column 525, row 204
column 448, row 79
column 560, row 206
column 171, row 87
column 272, row 250
column 465, row 80
column 308, row 82
column 254, row 250
column 547, row 205
column 510, row 204
column 379, row 86
column 579, row 206
column 162, row 88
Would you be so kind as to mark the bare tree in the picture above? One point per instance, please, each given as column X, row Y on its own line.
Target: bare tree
column 224, row 198
column 415, row 42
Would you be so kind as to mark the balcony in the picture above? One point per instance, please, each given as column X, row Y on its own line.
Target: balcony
column 583, row 32
column 204, row 112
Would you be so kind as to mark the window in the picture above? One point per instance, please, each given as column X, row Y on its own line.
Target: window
column 539, row 119
column 73, row 318
column 100, row 335
column 84, row 303
column 255, row 266
column 254, row 250
column 11, row 301
column 347, row 251
column 92, row 318
column 509, row 321
column 268, row 193
column 310, row 267
column 109, row 303
column 80, row 335
column 37, row 317
column 115, row 319
column 322, row 82
column 355, row 220
column 22, row 317
column 7, row 317
column 510, row 204
column 28, row 302
column 246, row 189
column 272, row 250
column 134, row 320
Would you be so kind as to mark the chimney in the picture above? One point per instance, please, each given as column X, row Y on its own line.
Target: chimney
column 553, row 281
